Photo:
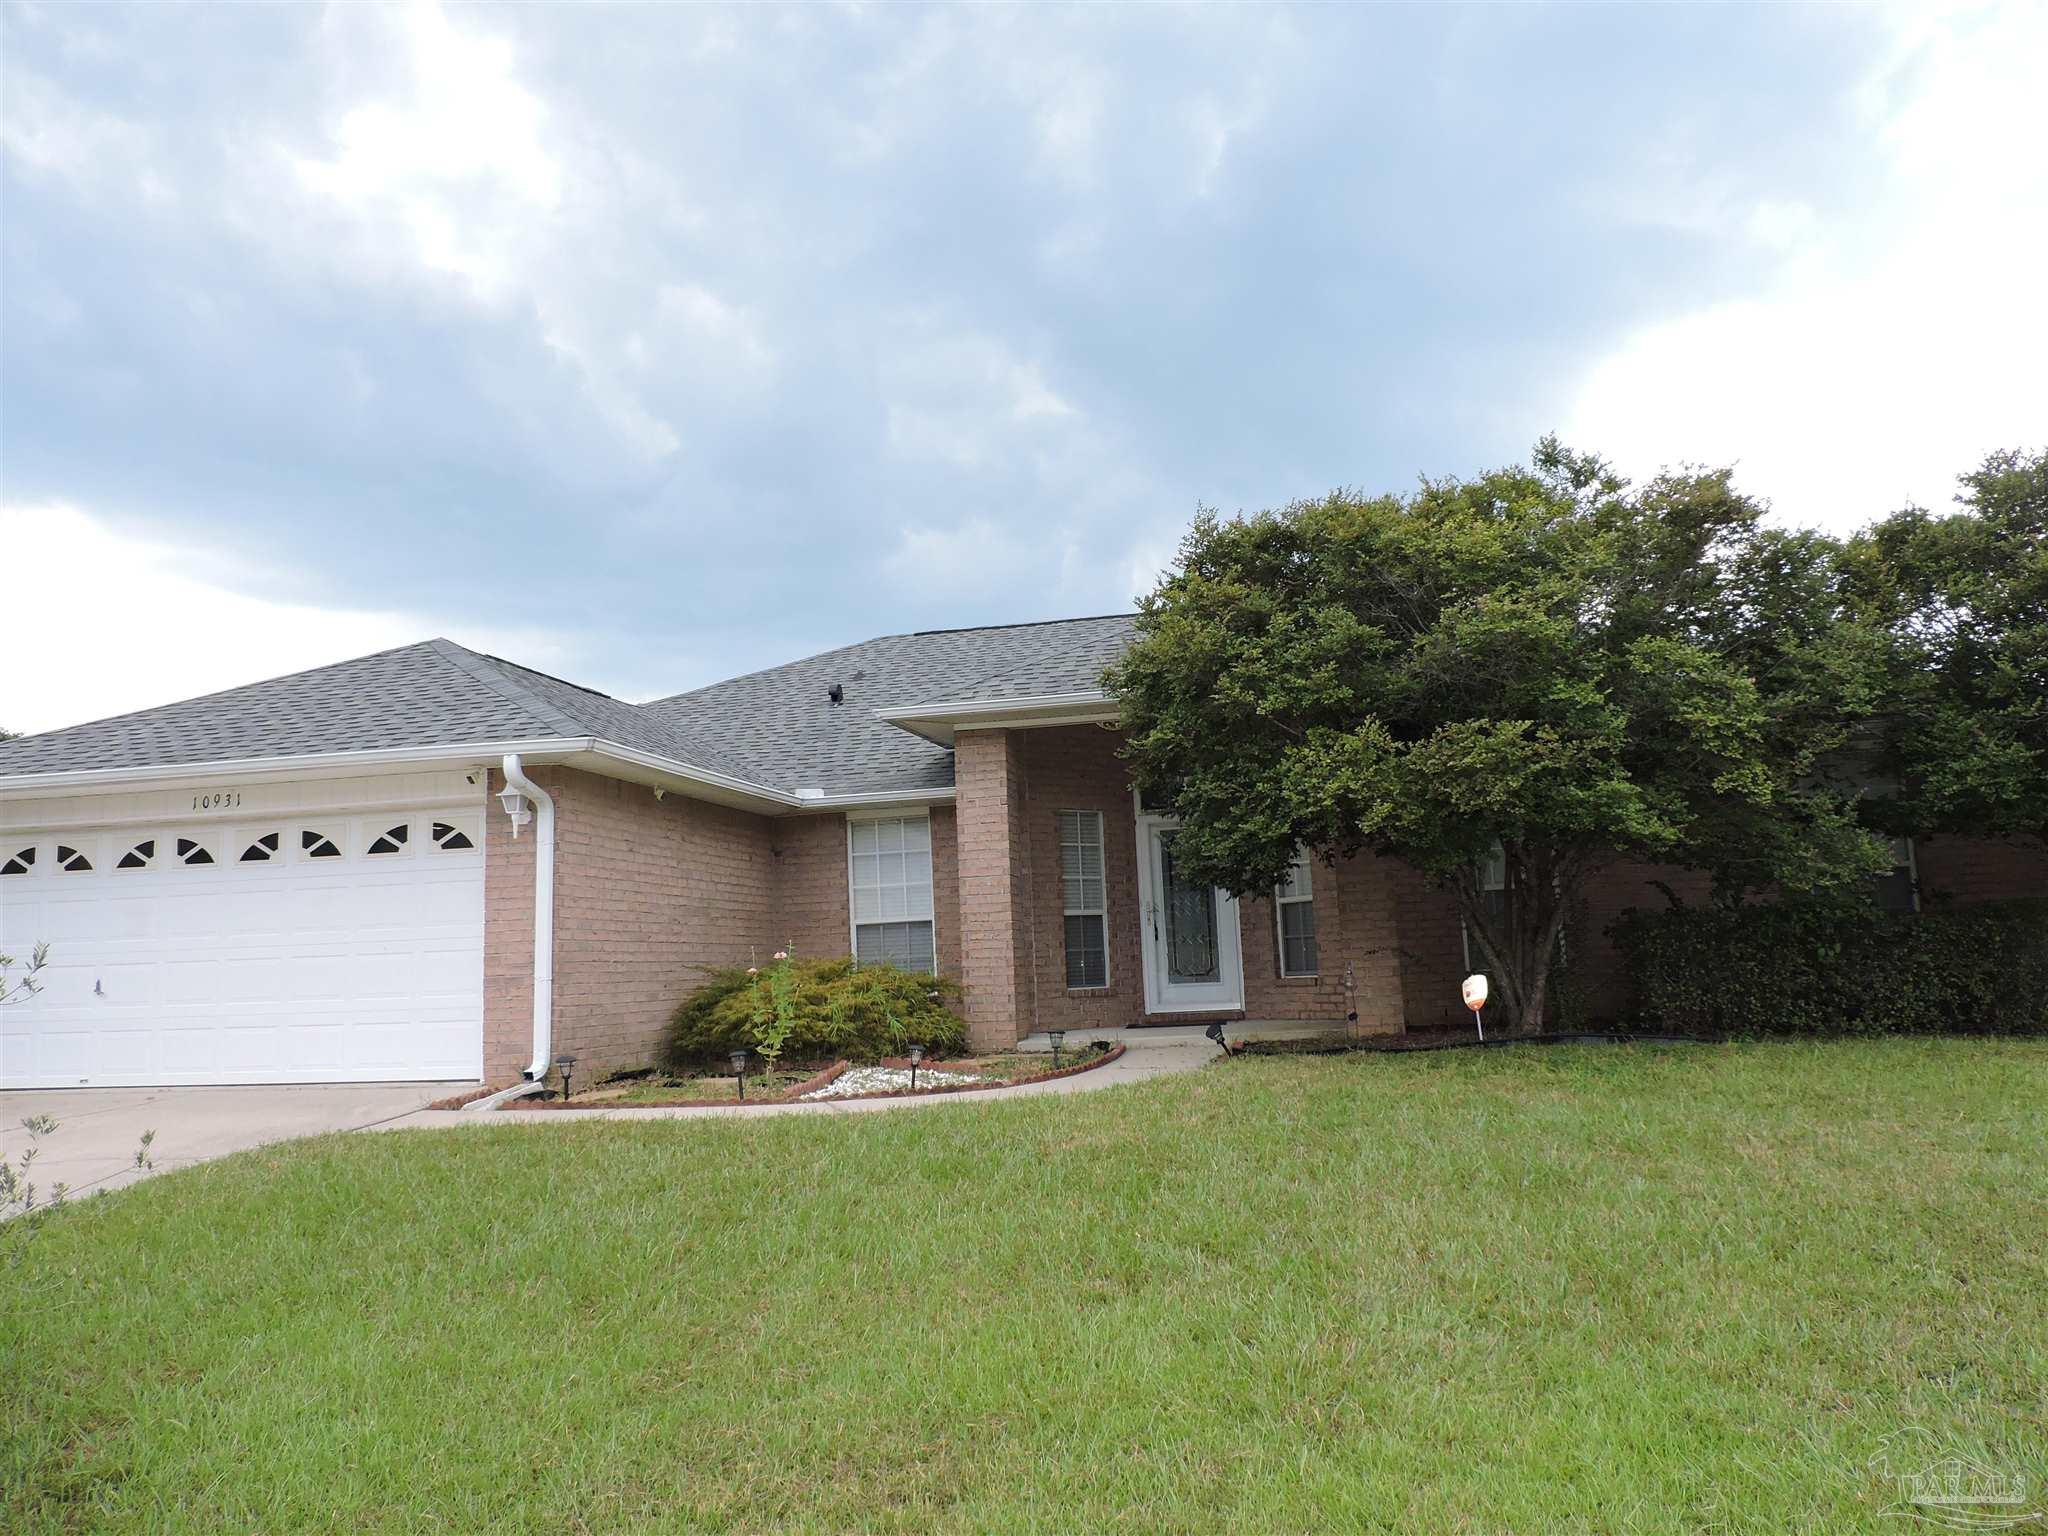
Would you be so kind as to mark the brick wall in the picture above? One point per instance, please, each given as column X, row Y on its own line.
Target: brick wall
column 811, row 915
column 647, row 893
column 1973, row 869
column 1076, row 768
column 946, row 889
column 1962, row 870
column 994, row 885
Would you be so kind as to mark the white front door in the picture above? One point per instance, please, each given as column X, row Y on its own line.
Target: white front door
column 1192, row 962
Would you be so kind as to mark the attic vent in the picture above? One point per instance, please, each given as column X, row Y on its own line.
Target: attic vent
column 836, row 694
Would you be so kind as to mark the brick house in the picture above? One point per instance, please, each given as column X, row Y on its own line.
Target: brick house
column 321, row 877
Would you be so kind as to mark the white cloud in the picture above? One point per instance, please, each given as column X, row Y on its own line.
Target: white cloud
column 1881, row 360
column 963, row 398
column 713, row 331
column 111, row 624
column 47, row 132
column 451, row 158
column 977, row 556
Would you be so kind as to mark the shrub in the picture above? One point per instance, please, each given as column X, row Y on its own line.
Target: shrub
column 836, row 1009
column 1821, row 967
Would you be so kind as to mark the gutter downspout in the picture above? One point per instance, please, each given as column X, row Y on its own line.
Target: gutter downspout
column 516, row 782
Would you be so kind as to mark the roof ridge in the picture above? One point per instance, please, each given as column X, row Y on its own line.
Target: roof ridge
column 485, row 669
column 780, row 666
column 906, row 634
column 979, row 629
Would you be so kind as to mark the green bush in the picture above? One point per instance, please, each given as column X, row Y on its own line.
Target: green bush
column 1821, row 967
column 861, row 1013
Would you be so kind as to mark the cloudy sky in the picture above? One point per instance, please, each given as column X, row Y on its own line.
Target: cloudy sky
column 648, row 345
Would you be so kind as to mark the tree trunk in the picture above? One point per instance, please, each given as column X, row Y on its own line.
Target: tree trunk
column 1520, row 943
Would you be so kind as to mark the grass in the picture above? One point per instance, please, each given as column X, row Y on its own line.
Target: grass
column 1578, row 1289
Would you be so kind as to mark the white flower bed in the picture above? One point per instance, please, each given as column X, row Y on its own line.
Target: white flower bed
column 859, row 1080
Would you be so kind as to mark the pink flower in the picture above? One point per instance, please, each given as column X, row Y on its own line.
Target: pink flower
column 753, row 970
column 782, row 954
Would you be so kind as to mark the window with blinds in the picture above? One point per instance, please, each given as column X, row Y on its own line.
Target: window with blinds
column 1294, row 907
column 1086, row 898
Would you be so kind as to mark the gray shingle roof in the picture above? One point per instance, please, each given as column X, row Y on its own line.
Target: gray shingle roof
column 785, row 715
column 777, row 727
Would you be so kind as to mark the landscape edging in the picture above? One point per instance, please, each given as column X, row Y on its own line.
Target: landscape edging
column 811, row 1085
column 1102, row 1059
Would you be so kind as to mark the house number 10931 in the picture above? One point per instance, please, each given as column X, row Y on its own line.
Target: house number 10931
column 219, row 800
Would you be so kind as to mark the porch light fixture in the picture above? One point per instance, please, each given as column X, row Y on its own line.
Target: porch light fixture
column 515, row 807
column 563, row 1064
column 916, row 1057
column 739, row 1070
column 1475, row 999
column 1058, row 1037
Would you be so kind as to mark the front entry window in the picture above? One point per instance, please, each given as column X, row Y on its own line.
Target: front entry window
column 1191, row 948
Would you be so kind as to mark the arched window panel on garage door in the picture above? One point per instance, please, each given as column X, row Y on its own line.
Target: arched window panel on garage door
column 317, row 844
column 194, row 851
column 75, row 859
column 456, row 835
column 141, row 854
column 20, row 862
column 389, row 840
column 262, row 848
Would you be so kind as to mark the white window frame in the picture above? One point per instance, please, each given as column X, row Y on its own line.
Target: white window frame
column 1911, row 865
column 853, row 922
column 1306, row 896
column 1493, row 876
column 1102, row 848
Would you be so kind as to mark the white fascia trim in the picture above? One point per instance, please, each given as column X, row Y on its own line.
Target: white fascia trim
column 968, row 709
column 310, row 765
column 938, row 722
column 333, row 764
column 683, row 773
column 818, row 800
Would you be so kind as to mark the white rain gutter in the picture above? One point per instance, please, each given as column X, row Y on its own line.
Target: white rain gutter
column 517, row 784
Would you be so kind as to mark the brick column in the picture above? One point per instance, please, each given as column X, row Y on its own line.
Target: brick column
column 1369, row 919
column 995, row 888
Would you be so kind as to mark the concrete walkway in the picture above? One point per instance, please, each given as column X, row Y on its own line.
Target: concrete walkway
column 98, row 1129
column 1138, row 1064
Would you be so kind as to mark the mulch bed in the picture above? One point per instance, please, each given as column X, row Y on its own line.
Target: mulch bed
column 796, row 1090
column 809, row 1085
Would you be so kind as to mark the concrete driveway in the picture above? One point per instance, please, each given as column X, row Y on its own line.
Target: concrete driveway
column 98, row 1129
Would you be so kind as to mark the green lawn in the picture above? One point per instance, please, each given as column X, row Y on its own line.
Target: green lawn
column 1571, row 1289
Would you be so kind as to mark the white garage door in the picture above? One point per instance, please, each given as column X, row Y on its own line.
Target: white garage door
column 315, row 948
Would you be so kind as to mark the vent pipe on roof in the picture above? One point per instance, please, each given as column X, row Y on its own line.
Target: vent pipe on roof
column 836, row 694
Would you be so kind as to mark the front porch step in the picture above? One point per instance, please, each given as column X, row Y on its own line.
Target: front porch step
column 1184, row 1035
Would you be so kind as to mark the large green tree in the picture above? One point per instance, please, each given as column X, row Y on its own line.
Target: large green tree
column 1963, row 597
column 1544, row 659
